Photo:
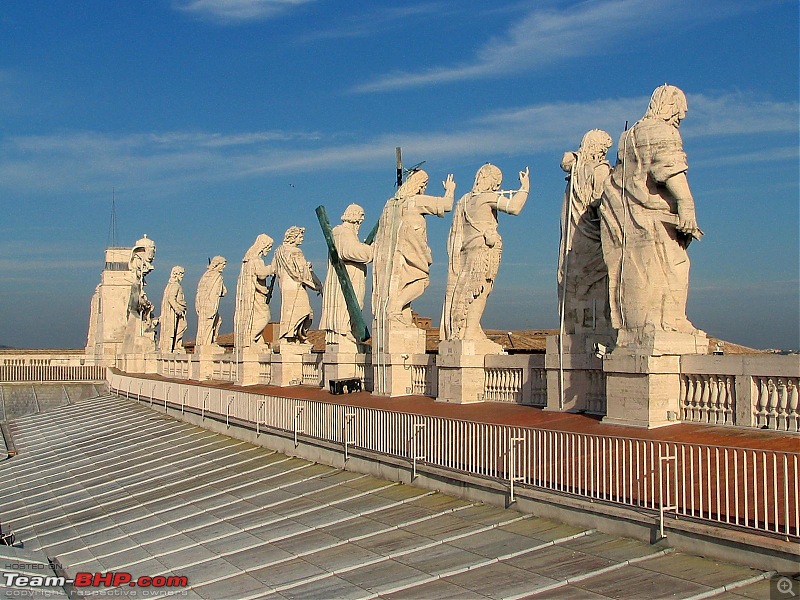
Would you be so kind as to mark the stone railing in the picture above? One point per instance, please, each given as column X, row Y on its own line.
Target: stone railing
column 175, row 365
column 776, row 403
column 756, row 390
column 224, row 368
column 518, row 379
column 708, row 398
column 753, row 390
column 21, row 366
column 312, row 370
column 265, row 370
column 423, row 375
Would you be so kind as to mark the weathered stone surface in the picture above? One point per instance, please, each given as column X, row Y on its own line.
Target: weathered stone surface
column 474, row 249
column 252, row 290
column 295, row 277
column 209, row 291
column 355, row 255
column 173, row 314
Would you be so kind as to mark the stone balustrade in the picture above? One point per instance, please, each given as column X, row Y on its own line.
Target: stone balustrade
column 753, row 390
column 20, row 366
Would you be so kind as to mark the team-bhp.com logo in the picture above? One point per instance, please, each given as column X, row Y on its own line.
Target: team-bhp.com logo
column 95, row 580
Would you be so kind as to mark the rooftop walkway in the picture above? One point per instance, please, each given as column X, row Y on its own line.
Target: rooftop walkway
column 527, row 416
column 106, row 484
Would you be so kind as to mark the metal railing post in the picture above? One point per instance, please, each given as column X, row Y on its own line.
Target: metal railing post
column 512, row 465
column 203, row 408
column 231, row 400
column 414, row 455
column 298, row 414
column 260, row 411
column 348, row 417
column 664, row 505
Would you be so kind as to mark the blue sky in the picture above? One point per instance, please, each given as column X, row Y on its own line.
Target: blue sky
column 216, row 120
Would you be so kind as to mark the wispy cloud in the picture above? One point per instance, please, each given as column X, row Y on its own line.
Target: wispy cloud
column 237, row 11
column 548, row 36
column 372, row 22
column 172, row 160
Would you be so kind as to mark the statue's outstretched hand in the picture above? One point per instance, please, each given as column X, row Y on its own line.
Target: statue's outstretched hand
column 449, row 184
column 525, row 179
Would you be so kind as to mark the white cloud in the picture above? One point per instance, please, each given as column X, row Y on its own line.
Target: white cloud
column 237, row 11
column 548, row 36
column 173, row 160
column 374, row 21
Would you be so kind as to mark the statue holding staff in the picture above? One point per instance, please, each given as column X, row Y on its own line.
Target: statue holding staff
column 173, row 314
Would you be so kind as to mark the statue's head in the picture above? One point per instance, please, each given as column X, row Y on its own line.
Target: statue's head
column 353, row 214
column 596, row 143
column 176, row 274
column 146, row 248
column 414, row 184
column 217, row 263
column 260, row 247
column 488, row 178
column 668, row 103
column 294, row 235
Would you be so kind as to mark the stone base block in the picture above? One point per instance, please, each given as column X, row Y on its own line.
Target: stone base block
column 392, row 375
column 662, row 343
column 462, row 376
column 250, row 365
column 341, row 365
column 287, row 367
column 642, row 391
column 205, row 356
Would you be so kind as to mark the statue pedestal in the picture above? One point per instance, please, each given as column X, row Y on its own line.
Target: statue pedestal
column 205, row 356
column 338, row 364
column 582, row 365
column 392, row 367
column 138, row 362
column 461, row 370
column 250, row 364
column 287, row 367
column 643, row 379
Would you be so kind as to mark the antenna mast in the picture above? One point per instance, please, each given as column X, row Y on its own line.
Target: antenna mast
column 112, row 228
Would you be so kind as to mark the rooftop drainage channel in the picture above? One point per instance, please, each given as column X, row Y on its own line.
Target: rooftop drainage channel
column 11, row 449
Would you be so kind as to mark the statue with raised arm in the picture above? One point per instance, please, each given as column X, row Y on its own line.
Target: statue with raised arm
column 582, row 273
column 173, row 314
column 648, row 220
column 140, row 330
column 355, row 255
column 209, row 292
column 139, row 265
column 295, row 275
column 474, row 248
column 402, row 257
column 252, row 311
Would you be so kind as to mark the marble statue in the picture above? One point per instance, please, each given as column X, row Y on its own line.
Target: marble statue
column 474, row 248
column 647, row 221
column 140, row 330
column 582, row 273
column 402, row 257
column 295, row 275
column 139, row 265
column 209, row 291
column 355, row 255
column 252, row 290
column 173, row 314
